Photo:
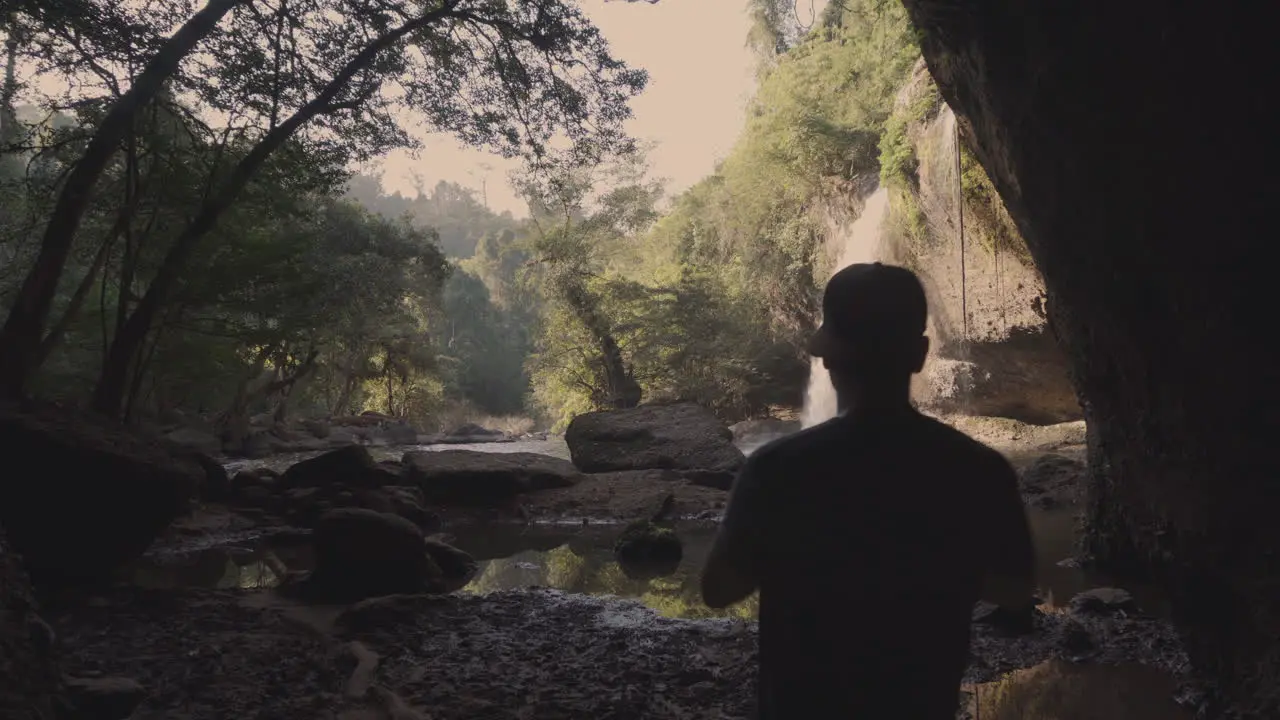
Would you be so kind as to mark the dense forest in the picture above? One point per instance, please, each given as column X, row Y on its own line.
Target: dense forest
column 228, row 261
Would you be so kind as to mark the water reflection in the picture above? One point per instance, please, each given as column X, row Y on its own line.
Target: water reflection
column 581, row 561
column 577, row 559
column 1057, row 690
column 222, row 568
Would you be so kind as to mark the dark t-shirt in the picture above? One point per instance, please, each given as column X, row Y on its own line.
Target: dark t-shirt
column 871, row 538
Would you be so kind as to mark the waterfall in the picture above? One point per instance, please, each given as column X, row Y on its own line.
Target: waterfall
column 860, row 245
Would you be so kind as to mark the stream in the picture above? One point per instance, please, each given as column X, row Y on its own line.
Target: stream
column 577, row 558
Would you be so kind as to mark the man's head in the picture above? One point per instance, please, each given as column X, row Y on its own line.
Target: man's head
column 873, row 325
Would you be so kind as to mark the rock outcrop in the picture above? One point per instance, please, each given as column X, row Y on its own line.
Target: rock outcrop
column 992, row 352
column 80, row 498
column 361, row 554
column 30, row 682
column 481, row 479
column 679, row 436
column 1136, row 171
column 343, row 478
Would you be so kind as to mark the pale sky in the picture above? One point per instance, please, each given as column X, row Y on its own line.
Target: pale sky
column 701, row 76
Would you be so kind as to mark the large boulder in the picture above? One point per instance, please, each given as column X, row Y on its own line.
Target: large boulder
column 680, row 436
column 81, row 498
column 30, row 682
column 352, row 466
column 481, row 479
column 361, row 554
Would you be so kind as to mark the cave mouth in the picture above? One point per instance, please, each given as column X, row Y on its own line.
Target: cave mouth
column 1102, row 131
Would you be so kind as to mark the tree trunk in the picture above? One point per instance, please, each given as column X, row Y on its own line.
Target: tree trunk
column 107, row 396
column 69, row 315
column 621, row 389
column 20, row 337
column 235, row 421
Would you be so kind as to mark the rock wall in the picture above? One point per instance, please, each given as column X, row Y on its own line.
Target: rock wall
column 1130, row 144
column 992, row 350
column 29, row 678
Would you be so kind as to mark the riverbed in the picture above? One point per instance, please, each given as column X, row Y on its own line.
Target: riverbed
column 553, row 627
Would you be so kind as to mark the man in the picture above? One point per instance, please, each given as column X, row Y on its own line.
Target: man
column 871, row 536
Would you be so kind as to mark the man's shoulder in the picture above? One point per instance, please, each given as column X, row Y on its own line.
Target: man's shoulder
column 929, row 434
column 798, row 444
column 961, row 442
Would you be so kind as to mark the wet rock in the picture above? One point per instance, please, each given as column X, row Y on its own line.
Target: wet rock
column 480, row 479
column 105, row 698
column 82, row 498
column 718, row 479
column 471, row 433
column 1052, row 480
column 408, row 503
column 30, row 684
column 342, row 437
column 457, row 568
column 382, row 612
column 399, row 433
column 1103, row 600
column 681, row 436
column 1076, row 641
column 257, row 496
column 318, row 429
column 351, row 466
column 361, row 554
column 646, row 543
column 196, row 439
column 254, row 477
column 762, row 428
column 257, row 444
column 1005, row 621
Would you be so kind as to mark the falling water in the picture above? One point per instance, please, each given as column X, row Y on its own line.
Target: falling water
column 861, row 245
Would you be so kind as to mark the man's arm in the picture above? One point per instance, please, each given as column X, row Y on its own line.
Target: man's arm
column 1010, row 557
column 733, row 567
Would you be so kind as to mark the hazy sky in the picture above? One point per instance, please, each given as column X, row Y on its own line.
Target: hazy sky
column 700, row 79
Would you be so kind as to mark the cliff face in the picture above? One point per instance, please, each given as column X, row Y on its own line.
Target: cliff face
column 992, row 350
column 1127, row 142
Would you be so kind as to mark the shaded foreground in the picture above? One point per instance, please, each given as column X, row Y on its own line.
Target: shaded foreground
column 220, row 654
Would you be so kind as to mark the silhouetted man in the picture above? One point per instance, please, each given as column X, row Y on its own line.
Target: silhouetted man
column 870, row 536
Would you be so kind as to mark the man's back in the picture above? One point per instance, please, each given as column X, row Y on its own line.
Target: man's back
column 874, row 536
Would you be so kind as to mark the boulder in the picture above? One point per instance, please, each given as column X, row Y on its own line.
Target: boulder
column 480, row 479
column 82, row 498
column 457, row 568
column 762, row 429
column 30, row 682
column 318, row 429
column 399, row 433
column 1052, row 480
column 196, row 439
column 646, row 549
column 361, row 554
column 471, row 433
column 104, row 698
column 352, row 466
column 1103, row 600
column 680, row 436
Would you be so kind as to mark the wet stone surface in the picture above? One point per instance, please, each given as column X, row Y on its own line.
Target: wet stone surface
column 537, row 653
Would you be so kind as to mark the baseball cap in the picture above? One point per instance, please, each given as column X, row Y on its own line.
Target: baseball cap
column 870, row 306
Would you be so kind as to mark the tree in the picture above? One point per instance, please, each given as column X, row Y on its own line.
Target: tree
column 509, row 77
